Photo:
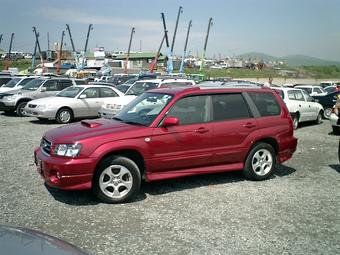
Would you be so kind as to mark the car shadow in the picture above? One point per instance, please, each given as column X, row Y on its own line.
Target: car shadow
column 308, row 124
column 43, row 122
column 9, row 114
column 335, row 167
column 87, row 198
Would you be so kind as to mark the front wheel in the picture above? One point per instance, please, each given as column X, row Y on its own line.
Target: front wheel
column 21, row 109
column 260, row 162
column 117, row 180
column 295, row 122
column 327, row 112
column 64, row 116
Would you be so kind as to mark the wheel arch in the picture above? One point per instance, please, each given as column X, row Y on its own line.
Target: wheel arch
column 64, row 107
column 25, row 99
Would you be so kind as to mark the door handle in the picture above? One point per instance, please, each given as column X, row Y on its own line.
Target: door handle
column 249, row 125
column 201, row 130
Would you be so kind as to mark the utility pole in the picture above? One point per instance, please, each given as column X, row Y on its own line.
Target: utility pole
column 154, row 61
column 140, row 45
column 34, row 53
column 181, row 69
column 0, row 38
column 128, row 53
column 180, row 10
column 48, row 41
column 39, row 49
column 169, row 66
column 60, row 52
column 8, row 58
column 87, row 37
column 205, row 44
column 69, row 33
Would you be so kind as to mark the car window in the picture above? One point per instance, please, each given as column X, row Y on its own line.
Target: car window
column 106, row 92
column 51, row 85
column 80, row 82
column 140, row 87
column 229, row 107
column 91, row 93
column 25, row 81
column 191, row 110
column 63, row 84
column 317, row 90
column 266, row 103
column 296, row 95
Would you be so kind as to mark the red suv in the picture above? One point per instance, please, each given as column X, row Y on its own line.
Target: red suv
column 169, row 133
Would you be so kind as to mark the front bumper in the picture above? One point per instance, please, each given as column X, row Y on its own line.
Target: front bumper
column 333, row 119
column 65, row 173
column 45, row 114
column 4, row 106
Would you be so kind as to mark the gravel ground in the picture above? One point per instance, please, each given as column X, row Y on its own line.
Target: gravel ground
column 295, row 212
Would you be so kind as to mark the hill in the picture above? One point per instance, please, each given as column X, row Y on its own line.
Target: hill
column 291, row 60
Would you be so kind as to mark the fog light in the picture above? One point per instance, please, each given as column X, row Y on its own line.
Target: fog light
column 54, row 177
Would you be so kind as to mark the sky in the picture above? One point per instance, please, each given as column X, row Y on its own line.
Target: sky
column 274, row 27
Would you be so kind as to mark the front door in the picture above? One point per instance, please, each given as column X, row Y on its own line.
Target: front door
column 187, row 145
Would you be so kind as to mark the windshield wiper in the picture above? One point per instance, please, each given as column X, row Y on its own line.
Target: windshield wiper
column 116, row 118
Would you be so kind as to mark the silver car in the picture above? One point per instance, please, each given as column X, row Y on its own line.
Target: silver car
column 72, row 103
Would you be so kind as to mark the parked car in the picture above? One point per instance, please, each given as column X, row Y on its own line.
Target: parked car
column 301, row 106
column 120, row 78
column 330, row 89
column 113, row 107
column 327, row 102
column 72, row 103
column 19, row 240
column 312, row 90
column 123, row 87
column 324, row 84
column 16, row 83
column 187, row 131
column 41, row 87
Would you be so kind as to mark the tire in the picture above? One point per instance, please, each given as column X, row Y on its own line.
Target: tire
column 64, row 116
column 20, row 109
column 336, row 130
column 327, row 112
column 319, row 118
column 260, row 162
column 295, row 121
column 120, row 185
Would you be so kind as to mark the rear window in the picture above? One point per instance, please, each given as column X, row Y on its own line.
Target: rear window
column 266, row 103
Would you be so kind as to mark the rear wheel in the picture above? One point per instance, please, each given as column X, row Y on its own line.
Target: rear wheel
column 319, row 118
column 260, row 162
column 64, row 115
column 295, row 121
column 21, row 109
column 117, row 180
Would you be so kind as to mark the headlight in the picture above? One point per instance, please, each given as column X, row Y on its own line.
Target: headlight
column 41, row 107
column 67, row 150
column 10, row 98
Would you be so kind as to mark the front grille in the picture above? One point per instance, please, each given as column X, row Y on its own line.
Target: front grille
column 32, row 105
column 46, row 146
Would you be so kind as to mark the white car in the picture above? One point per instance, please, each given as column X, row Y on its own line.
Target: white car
column 16, row 83
column 115, row 105
column 73, row 102
column 301, row 106
column 312, row 90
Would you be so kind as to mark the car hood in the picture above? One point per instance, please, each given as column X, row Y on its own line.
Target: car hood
column 17, row 240
column 88, row 129
column 6, row 89
column 52, row 100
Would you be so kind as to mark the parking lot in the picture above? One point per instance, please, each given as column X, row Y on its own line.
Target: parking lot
column 295, row 212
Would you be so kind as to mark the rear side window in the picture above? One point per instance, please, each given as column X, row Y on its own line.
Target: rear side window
column 25, row 81
column 63, row 84
column 106, row 92
column 266, row 103
column 229, row 107
column 51, row 85
column 295, row 95
column 80, row 82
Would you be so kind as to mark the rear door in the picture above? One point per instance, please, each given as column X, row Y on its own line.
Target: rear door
column 51, row 87
column 233, row 122
column 187, row 145
column 88, row 106
column 297, row 99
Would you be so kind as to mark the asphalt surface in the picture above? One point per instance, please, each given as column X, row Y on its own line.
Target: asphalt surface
column 295, row 212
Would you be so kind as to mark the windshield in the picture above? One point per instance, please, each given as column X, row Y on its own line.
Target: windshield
column 144, row 109
column 12, row 83
column 122, row 88
column 308, row 90
column 34, row 84
column 131, row 81
column 139, row 87
column 70, row 92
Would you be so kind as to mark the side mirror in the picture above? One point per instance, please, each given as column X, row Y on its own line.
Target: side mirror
column 170, row 121
column 83, row 96
column 43, row 89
